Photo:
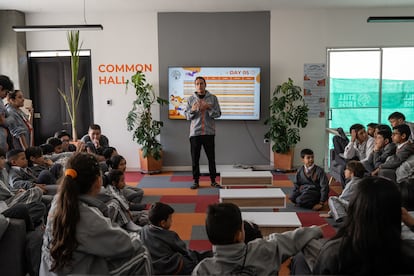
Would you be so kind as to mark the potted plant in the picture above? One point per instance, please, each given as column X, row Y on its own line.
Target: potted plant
column 142, row 125
column 288, row 113
column 72, row 98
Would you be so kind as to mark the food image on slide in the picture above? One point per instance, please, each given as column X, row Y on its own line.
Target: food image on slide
column 237, row 90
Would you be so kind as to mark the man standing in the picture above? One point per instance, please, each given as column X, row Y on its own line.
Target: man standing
column 202, row 109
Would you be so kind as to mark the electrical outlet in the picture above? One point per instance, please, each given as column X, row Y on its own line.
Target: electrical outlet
column 266, row 141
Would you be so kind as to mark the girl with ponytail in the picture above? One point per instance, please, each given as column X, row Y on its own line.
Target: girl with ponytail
column 78, row 238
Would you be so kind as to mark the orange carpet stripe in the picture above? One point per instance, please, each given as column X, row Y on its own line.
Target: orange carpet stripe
column 130, row 183
column 182, row 223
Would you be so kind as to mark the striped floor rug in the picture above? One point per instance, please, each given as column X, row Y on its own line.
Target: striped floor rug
column 190, row 206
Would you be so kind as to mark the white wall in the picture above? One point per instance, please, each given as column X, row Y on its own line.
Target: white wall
column 127, row 38
column 297, row 37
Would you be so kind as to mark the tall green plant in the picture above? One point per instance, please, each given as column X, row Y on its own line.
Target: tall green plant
column 140, row 121
column 288, row 113
column 72, row 98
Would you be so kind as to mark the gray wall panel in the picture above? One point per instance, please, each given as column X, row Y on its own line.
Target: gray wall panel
column 216, row 39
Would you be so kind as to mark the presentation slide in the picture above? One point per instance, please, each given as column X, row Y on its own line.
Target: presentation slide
column 237, row 90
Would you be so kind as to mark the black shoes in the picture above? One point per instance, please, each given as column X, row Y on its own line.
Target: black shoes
column 213, row 184
column 195, row 185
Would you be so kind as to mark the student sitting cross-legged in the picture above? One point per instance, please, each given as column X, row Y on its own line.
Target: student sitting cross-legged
column 354, row 171
column 118, row 206
column 169, row 253
column 30, row 198
column 311, row 184
column 134, row 195
column 79, row 239
column 20, row 176
column 231, row 256
column 38, row 165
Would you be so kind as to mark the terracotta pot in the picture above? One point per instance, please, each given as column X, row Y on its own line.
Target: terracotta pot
column 283, row 161
column 149, row 164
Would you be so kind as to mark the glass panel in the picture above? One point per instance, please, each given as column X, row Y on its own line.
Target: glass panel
column 353, row 87
column 398, row 82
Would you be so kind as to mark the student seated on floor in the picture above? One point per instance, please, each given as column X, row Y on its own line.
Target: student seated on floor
column 311, row 184
column 65, row 138
column 79, row 239
column 405, row 148
column 354, row 172
column 169, row 253
column 20, row 176
column 95, row 141
column 374, row 214
column 371, row 129
column 358, row 148
column 361, row 144
column 397, row 118
column 134, row 195
column 30, row 198
column 369, row 242
column 119, row 212
column 383, row 148
column 38, row 163
column 231, row 256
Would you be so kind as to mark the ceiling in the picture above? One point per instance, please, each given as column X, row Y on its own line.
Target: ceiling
column 109, row 6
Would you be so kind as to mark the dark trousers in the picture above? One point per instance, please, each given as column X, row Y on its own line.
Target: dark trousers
column 20, row 211
column 207, row 142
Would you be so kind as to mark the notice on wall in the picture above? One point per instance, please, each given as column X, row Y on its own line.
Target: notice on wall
column 314, row 89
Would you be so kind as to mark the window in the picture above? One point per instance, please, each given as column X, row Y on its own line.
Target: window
column 368, row 84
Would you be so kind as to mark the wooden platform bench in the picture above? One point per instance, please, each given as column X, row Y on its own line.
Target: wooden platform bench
column 273, row 222
column 254, row 198
column 246, row 178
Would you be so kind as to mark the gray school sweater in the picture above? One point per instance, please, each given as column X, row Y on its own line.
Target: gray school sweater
column 258, row 257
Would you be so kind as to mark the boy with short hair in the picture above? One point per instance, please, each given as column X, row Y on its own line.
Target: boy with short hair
column 95, row 141
column 338, row 206
column 231, row 256
column 20, row 177
column 169, row 253
column 383, row 148
column 311, row 184
column 405, row 148
column 30, row 198
column 371, row 129
column 361, row 144
column 56, row 143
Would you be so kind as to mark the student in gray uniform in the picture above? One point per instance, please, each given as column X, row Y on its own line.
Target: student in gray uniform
column 30, row 198
column 232, row 256
column 78, row 238
column 369, row 242
column 114, row 182
column 354, row 171
column 311, row 184
column 134, row 195
column 170, row 255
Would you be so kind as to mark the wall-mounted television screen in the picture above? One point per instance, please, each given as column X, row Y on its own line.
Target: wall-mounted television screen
column 237, row 90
